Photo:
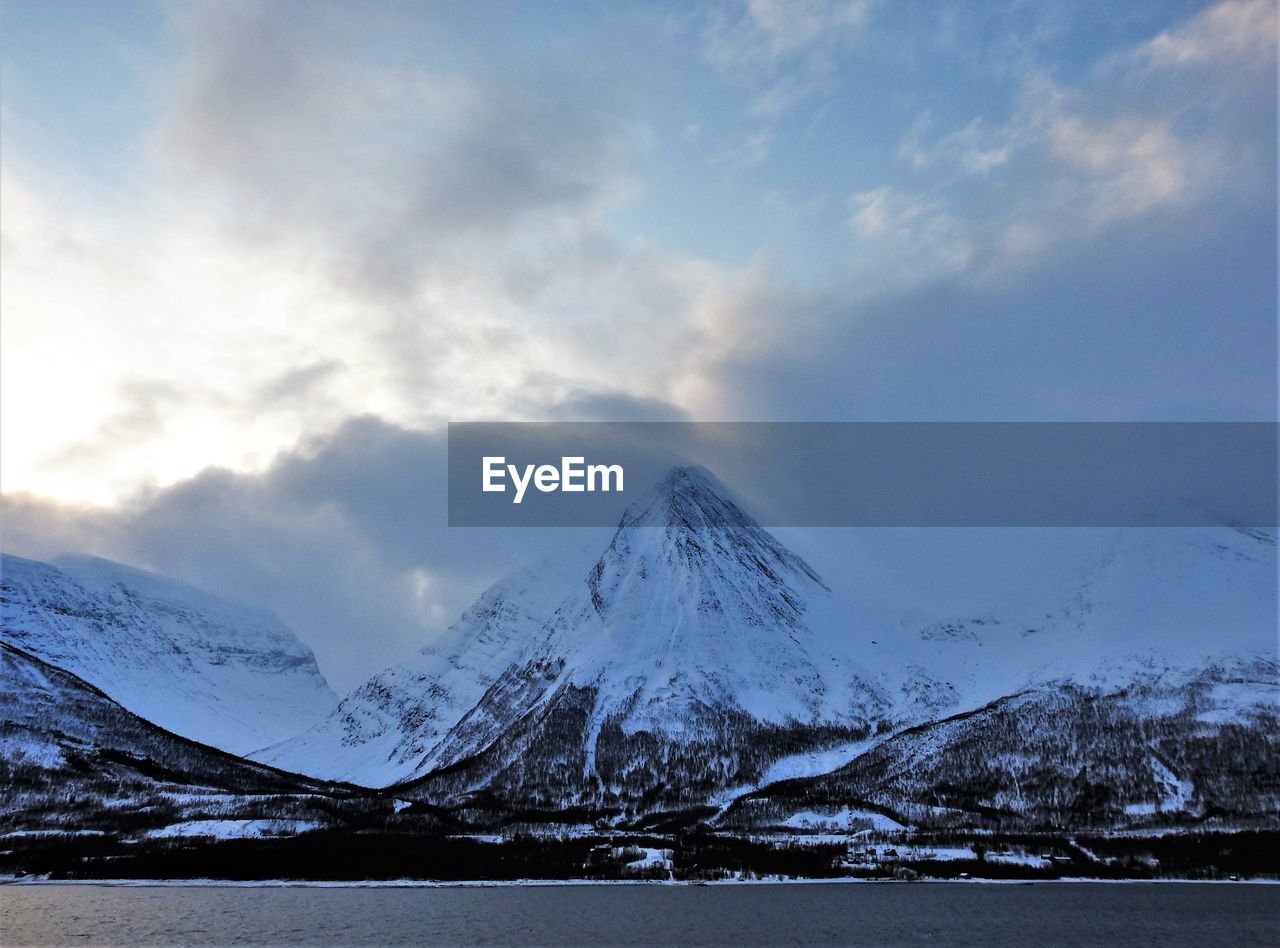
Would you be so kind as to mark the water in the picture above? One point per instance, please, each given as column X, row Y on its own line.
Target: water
column 885, row 914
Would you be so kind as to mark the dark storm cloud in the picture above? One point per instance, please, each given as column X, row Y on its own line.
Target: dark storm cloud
column 345, row 536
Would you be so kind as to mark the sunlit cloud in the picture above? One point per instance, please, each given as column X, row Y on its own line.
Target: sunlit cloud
column 315, row 236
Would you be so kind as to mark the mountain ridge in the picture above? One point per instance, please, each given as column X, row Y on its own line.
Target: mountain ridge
column 690, row 620
column 698, row 664
column 226, row 674
column 701, row 658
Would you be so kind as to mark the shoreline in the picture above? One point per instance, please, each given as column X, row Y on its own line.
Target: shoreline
column 576, row 883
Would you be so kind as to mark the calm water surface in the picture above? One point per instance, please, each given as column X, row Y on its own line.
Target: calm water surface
column 933, row 914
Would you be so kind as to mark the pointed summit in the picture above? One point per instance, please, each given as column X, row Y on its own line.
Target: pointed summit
column 691, row 497
column 706, row 547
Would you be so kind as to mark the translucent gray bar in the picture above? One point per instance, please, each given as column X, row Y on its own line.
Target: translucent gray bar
column 899, row 474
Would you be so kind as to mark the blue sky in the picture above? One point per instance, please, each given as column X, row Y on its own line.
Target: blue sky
column 241, row 237
column 747, row 149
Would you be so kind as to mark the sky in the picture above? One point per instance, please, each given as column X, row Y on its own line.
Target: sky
column 255, row 255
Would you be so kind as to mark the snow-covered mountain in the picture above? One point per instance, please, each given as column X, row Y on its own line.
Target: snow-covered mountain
column 700, row 658
column 56, row 729
column 74, row 762
column 391, row 727
column 706, row 659
column 701, row 666
column 215, row 671
column 689, row 631
column 687, row 639
column 1135, row 602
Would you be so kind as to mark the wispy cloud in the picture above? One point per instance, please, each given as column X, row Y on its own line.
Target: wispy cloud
column 905, row 237
column 1233, row 28
column 1121, row 142
column 764, row 34
column 1135, row 165
column 783, row 52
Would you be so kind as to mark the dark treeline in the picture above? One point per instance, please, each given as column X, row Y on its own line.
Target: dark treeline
column 693, row 856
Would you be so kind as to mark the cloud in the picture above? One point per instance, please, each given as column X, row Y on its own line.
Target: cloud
column 780, row 97
column 762, row 34
column 344, row 537
column 294, row 385
column 1137, row 165
column 976, row 148
column 393, row 169
column 785, row 51
column 898, row 229
column 1131, row 327
column 1131, row 138
column 147, row 407
column 1071, row 253
column 318, row 233
column 751, row 150
column 1075, row 256
column 1231, row 29
column 582, row 405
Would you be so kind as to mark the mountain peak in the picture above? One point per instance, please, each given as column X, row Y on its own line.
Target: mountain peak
column 703, row 542
column 690, row 476
column 688, row 497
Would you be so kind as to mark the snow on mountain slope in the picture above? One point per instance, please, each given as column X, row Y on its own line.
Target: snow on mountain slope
column 74, row 761
column 1173, row 598
column 1136, row 602
column 701, row 655
column 1138, row 606
column 215, row 671
column 693, row 605
column 1176, row 746
column 686, row 662
column 390, row 727
column 690, row 623
column 707, row 656
column 54, row 722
